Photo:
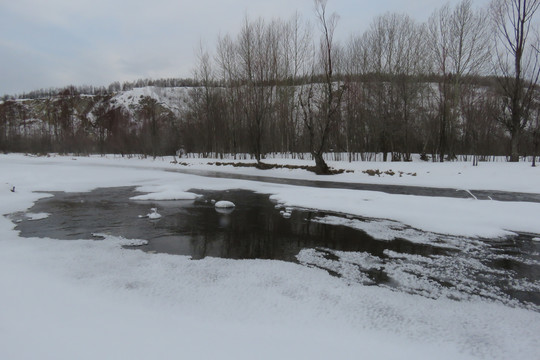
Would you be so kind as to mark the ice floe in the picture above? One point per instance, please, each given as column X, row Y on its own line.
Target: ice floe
column 223, row 204
column 153, row 215
column 37, row 216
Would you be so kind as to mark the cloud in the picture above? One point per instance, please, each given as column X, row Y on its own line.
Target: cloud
column 96, row 42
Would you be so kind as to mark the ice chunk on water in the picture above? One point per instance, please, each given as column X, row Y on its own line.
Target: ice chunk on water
column 153, row 214
column 224, row 204
column 37, row 216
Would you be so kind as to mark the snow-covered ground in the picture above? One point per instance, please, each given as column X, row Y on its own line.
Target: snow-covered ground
column 500, row 175
column 94, row 299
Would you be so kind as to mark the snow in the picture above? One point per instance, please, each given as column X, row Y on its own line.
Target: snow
column 119, row 240
column 432, row 276
column 459, row 217
column 38, row 216
column 349, row 268
column 223, row 204
column 153, row 215
column 378, row 229
column 504, row 176
column 536, row 239
column 165, row 195
column 94, row 299
column 173, row 98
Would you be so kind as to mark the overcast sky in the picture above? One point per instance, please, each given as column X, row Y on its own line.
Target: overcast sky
column 54, row 43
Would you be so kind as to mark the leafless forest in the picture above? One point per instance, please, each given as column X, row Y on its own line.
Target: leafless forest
column 464, row 82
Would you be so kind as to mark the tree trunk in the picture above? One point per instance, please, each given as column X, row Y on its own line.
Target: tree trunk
column 535, row 152
column 514, row 152
column 321, row 168
column 442, row 134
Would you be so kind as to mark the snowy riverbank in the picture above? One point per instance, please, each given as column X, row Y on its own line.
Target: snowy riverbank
column 503, row 176
column 93, row 299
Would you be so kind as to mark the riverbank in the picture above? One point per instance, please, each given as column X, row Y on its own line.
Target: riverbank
column 502, row 176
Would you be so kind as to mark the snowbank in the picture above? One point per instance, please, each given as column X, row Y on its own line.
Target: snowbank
column 503, row 176
column 459, row 217
column 223, row 204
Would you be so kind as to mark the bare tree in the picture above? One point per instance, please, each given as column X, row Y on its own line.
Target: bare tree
column 258, row 54
column 100, row 124
column 227, row 72
column 459, row 44
column 517, row 64
column 153, row 114
column 355, row 118
column 328, row 104
column 533, row 128
column 381, row 50
column 409, row 69
column 203, row 102
column 396, row 63
column 296, row 48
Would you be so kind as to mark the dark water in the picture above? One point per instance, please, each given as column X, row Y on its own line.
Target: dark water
column 257, row 230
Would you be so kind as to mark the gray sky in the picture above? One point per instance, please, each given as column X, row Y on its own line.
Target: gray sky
column 54, row 43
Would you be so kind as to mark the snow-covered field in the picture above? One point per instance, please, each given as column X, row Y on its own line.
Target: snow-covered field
column 94, row 299
column 500, row 175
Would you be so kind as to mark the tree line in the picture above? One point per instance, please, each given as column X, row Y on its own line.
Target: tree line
column 71, row 123
column 464, row 82
column 113, row 88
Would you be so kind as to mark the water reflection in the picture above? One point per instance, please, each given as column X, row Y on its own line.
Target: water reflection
column 254, row 229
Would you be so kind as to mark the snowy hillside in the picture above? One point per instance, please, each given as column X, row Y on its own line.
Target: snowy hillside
column 174, row 99
column 113, row 122
column 85, row 107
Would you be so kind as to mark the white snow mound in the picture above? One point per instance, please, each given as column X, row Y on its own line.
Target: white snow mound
column 224, row 204
column 153, row 214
